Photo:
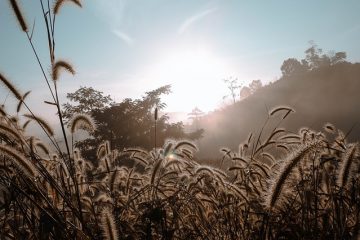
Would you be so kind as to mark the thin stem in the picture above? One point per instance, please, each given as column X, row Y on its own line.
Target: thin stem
column 71, row 160
column 48, row 30
column 56, row 145
column 41, row 67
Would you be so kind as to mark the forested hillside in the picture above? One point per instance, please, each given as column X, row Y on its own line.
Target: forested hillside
column 321, row 95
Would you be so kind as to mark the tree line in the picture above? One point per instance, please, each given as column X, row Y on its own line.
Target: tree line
column 125, row 124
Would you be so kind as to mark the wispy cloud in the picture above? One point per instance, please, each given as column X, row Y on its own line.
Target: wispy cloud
column 112, row 13
column 124, row 37
column 191, row 20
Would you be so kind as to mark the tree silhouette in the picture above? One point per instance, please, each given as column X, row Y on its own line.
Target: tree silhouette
column 255, row 85
column 251, row 89
column 233, row 86
column 131, row 123
column 292, row 66
column 314, row 59
column 87, row 99
column 195, row 115
column 245, row 92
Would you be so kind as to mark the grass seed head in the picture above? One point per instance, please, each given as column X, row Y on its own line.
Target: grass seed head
column 108, row 225
column 19, row 15
column 10, row 86
column 82, row 121
column 59, row 4
column 61, row 65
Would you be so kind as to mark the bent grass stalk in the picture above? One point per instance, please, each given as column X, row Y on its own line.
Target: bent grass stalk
column 19, row 160
column 346, row 164
column 279, row 181
column 19, row 15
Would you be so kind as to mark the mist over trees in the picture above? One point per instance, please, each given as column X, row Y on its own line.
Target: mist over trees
column 315, row 58
column 233, row 86
column 246, row 91
column 321, row 87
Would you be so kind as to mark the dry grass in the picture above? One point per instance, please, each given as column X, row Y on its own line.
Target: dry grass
column 303, row 194
column 291, row 186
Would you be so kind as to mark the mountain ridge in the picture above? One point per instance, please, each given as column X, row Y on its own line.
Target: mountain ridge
column 326, row 94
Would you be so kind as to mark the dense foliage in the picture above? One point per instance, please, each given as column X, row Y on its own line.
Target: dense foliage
column 129, row 123
column 88, row 100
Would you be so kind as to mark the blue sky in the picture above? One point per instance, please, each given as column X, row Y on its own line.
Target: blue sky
column 125, row 48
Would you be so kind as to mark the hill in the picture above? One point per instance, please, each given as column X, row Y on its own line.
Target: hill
column 326, row 94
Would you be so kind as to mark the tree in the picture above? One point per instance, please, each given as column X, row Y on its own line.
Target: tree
column 251, row 89
column 233, row 87
column 195, row 115
column 245, row 92
column 292, row 66
column 131, row 123
column 87, row 99
column 255, row 85
column 314, row 59
column 338, row 57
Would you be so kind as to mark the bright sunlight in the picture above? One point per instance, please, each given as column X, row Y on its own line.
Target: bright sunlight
column 195, row 75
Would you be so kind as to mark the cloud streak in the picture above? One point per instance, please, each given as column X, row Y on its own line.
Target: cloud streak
column 110, row 11
column 124, row 37
column 193, row 19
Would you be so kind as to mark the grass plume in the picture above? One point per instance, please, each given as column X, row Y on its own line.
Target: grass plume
column 82, row 121
column 42, row 122
column 19, row 15
column 10, row 86
column 278, row 109
column 345, row 165
column 19, row 160
column 61, row 65
column 108, row 225
column 280, row 179
column 10, row 132
column 59, row 3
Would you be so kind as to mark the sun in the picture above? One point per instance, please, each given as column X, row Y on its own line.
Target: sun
column 196, row 76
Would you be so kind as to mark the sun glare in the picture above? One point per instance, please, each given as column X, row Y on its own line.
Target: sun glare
column 196, row 78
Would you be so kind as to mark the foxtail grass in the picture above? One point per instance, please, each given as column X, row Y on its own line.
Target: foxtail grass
column 108, row 225
column 19, row 15
column 60, row 65
column 345, row 172
column 42, row 122
column 82, row 121
column 279, row 181
column 20, row 161
column 10, row 86
column 59, row 4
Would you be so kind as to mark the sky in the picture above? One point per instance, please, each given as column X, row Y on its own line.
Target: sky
column 125, row 48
